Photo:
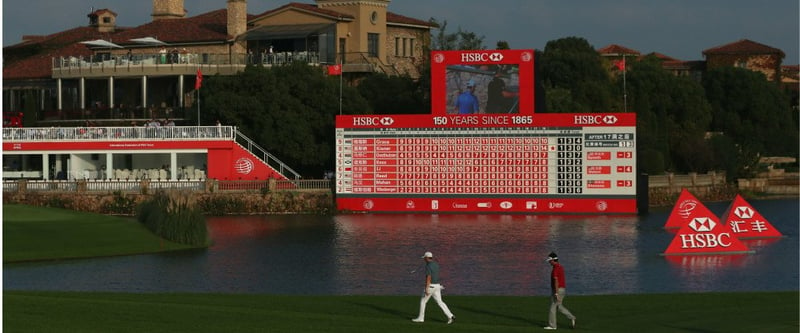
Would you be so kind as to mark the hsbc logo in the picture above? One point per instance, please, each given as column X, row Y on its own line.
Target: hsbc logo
column 743, row 212
column 595, row 120
column 372, row 121
column 704, row 238
column 481, row 57
column 702, row 224
column 695, row 241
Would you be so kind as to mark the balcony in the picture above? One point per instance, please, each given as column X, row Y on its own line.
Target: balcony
column 105, row 65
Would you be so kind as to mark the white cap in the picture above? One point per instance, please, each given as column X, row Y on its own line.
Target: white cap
column 427, row 255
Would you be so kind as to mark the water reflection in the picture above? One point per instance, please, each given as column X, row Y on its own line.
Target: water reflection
column 483, row 254
column 479, row 254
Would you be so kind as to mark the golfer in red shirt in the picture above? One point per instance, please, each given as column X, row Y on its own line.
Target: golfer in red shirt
column 558, row 287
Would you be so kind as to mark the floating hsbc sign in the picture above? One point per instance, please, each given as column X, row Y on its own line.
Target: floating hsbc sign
column 705, row 235
column 748, row 223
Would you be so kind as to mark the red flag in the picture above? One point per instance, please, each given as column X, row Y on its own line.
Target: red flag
column 620, row 64
column 335, row 69
column 199, row 80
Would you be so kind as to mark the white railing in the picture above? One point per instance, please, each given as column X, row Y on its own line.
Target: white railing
column 139, row 186
column 172, row 59
column 48, row 134
column 127, row 134
column 265, row 156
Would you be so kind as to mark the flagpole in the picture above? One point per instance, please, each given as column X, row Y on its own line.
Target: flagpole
column 197, row 84
column 624, row 84
column 341, row 73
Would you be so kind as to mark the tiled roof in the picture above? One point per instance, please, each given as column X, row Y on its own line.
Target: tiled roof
column 208, row 27
column 20, row 65
column 306, row 8
column 663, row 57
column 615, row 49
column 743, row 46
column 400, row 19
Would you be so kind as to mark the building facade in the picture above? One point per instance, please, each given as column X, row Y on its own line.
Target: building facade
column 102, row 72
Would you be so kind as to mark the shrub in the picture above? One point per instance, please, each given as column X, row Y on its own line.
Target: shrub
column 174, row 216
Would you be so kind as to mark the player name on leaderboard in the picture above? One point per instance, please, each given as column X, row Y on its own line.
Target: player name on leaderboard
column 574, row 163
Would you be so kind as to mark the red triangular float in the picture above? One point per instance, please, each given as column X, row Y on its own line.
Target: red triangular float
column 704, row 234
column 686, row 208
column 746, row 222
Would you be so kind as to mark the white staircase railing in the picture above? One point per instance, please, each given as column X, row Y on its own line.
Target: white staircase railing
column 266, row 157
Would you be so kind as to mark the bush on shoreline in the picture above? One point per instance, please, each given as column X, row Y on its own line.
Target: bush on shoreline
column 174, row 216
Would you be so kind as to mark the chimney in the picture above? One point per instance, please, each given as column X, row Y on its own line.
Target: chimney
column 237, row 17
column 237, row 24
column 168, row 9
column 104, row 20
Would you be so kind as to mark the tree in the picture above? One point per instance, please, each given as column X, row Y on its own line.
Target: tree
column 460, row 40
column 393, row 95
column 571, row 64
column 749, row 109
column 288, row 110
column 673, row 117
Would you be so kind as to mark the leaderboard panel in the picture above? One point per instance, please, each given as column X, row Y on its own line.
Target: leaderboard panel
column 544, row 163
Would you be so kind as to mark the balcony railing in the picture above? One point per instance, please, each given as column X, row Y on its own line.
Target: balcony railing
column 149, row 185
column 44, row 134
column 192, row 60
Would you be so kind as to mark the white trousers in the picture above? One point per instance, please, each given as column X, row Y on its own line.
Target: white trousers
column 434, row 290
column 555, row 305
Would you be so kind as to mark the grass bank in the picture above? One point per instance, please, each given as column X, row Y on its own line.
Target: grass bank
column 40, row 233
column 116, row 312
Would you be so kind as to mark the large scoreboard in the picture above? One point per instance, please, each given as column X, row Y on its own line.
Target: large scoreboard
column 543, row 163
column 483, row 149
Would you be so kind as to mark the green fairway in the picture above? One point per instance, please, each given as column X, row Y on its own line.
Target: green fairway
column 40, row 233
column 114, row 312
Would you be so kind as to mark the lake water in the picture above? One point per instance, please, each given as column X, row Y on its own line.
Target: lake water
column 479, row 255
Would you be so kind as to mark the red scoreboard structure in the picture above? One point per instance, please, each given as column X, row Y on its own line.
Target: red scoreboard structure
column 498, row 157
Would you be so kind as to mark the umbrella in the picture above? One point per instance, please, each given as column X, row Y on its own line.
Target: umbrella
column 101, row 43
column 148, row 41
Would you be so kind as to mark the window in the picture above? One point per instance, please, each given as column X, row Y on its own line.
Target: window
column 106, row 19
column 410, row 47
column 397, row 42
column 372, row 44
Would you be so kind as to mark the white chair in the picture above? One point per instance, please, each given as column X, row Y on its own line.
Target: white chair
column 162, row 174
column 199, row 174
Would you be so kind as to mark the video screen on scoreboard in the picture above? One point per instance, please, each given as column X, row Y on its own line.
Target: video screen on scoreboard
column 482, row 82
column 482, row 88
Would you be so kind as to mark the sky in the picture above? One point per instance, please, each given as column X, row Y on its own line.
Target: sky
column 681, row 29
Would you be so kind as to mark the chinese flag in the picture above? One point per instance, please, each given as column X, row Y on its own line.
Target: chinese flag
column 620, row 64
column 335, row 69
column 199, row 80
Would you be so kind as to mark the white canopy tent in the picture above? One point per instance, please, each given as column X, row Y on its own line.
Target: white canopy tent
column 101, row 43
column 148, row 41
